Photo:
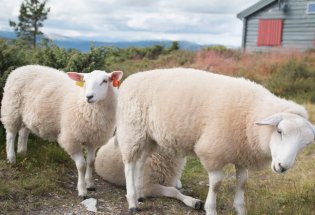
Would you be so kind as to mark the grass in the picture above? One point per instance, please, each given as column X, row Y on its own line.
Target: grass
column 47, row 176
column 41, row 174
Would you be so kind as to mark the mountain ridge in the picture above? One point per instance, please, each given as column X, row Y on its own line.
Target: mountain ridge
column 84, row 44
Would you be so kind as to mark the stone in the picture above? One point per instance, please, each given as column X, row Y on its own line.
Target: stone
column 90, row 204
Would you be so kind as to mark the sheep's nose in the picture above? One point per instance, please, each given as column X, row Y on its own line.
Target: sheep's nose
column 282, row 168
column 89, row 98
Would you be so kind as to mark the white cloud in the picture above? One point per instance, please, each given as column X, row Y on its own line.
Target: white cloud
column 202, row 21
column 8, row 10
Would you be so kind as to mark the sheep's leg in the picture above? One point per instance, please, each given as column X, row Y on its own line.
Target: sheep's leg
column 10, row 138
column 130, row 185
column 215, row 177
column 90, row 158
column 241, row 177
column 22, row 140
column 160, row 190
column 132, row 141
column 81, row 166
column 139, row 175
column 178, row 184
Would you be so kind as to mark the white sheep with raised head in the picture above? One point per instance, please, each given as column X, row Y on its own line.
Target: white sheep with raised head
column 48, row 103
column 162, row 172
column 220, row 119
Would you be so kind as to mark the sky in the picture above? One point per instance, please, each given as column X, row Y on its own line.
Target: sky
column 199, row 21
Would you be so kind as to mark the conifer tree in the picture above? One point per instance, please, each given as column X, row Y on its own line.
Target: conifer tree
column 32, row 15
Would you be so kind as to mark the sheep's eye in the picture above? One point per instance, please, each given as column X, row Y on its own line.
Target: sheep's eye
column 279, row 131
column 104, row 81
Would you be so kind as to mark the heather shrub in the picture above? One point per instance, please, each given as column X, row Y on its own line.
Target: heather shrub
column 12, row 55
column 290, row 74
column 223, row 51
column 293, row 79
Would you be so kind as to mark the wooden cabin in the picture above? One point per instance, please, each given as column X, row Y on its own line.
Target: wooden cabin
column 278, row 25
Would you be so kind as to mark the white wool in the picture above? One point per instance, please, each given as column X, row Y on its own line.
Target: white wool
column 210, row 115
column 47, row 103
column 161, row 168
column 162, row 172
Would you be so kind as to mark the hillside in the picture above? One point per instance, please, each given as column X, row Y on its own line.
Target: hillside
column 84, row 45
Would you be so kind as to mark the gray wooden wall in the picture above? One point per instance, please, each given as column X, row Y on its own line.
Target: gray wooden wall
column 298, row 29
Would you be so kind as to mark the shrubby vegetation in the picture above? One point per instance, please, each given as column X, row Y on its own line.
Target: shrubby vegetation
column 290, row 75
column 17, row 53
column 287, row 74
column 294, row 79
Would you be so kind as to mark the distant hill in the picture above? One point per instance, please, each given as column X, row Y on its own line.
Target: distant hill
column 7, row 34
column 84, row 45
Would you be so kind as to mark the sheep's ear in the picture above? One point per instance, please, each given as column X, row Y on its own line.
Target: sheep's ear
column 271, row 120
column 312, row 127
column 116, row 75
column 75, row 76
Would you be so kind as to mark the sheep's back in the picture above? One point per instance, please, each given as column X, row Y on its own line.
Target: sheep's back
column 176, row 106
column 36, row 93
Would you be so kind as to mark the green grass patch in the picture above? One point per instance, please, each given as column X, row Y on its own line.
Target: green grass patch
column 43, row 172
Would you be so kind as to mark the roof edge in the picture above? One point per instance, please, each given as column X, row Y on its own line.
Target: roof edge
column 254, row 8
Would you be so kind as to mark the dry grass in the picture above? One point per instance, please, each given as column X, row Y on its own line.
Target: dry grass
column 255, row 66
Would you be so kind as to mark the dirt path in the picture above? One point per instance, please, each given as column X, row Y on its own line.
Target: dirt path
column 110, row 201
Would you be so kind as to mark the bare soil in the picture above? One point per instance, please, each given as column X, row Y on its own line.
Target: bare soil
column 110, row 201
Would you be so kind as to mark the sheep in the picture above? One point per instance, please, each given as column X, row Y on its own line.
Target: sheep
column 162, row 172
column 218, row 118
column 46, row 102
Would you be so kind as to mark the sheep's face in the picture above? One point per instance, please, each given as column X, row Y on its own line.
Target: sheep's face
column 291, row 133
column 96, row 84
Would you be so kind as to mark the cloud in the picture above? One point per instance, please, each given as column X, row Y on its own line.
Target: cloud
column 8, row 10
column 201, row 21
column 204, row 6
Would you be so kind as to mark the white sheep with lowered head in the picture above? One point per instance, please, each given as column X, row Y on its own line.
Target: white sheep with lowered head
column 48, row 103
column 220, row 119
column 162, row 172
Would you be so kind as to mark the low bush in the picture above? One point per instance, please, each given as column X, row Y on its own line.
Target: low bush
column 294, row 80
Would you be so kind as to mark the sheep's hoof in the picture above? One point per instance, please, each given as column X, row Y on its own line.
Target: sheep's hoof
column 199, row 205
column 23, row 152
column 134, row 210
column 141, row 199
column 91, row 189
column 11, row 160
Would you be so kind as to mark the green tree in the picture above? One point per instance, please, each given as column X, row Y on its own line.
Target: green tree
column 32, row 15
column 174, row 46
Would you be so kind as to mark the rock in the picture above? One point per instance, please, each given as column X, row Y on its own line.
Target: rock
column 90, row 204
